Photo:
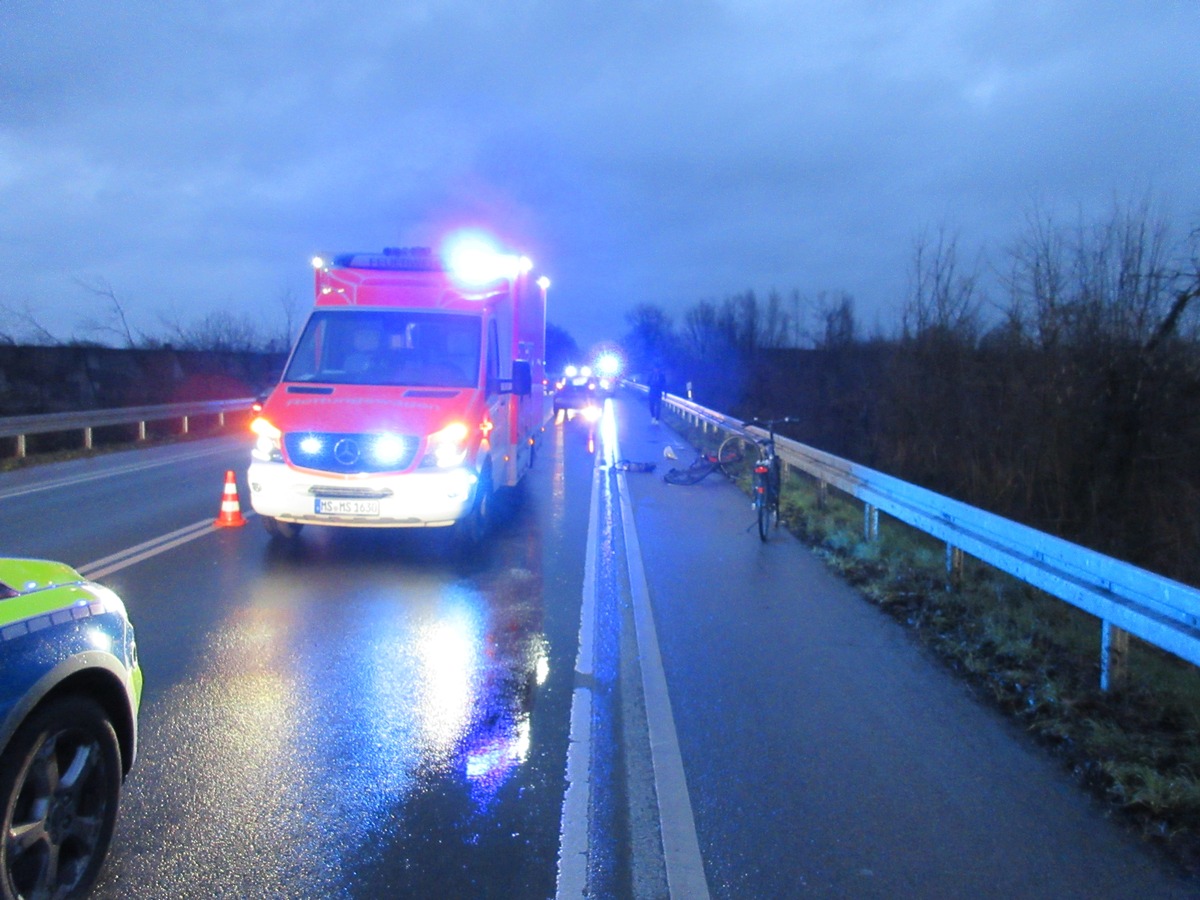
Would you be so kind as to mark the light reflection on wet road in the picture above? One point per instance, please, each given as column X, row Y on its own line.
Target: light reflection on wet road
column 368, row 715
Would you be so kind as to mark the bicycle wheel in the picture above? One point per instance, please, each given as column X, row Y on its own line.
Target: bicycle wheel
column 762, row 505
column 730, row 456
column 694, row 473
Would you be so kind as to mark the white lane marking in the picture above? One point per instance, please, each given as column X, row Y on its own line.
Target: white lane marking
column 107, row 472
column 681, row 847
column 573, row 827
column 153, row 547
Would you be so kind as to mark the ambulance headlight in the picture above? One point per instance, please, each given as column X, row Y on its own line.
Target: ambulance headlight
column 446, row 448
column 268, row 447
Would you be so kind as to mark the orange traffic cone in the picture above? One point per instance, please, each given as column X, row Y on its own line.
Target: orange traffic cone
column 231, row 510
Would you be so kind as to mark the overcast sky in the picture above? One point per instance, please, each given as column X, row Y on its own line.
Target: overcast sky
column 193, row 155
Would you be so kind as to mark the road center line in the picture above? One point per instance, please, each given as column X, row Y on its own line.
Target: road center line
column 573, row 827
column 153, row 547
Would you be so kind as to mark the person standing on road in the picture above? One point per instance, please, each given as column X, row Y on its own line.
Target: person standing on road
column 658, row 383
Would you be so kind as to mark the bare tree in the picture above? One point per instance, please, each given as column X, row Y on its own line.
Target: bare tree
column 23, row 321
column 115, row 321
column 217, row 331
column 291, row 310
column 1107, row 282
column 650, row 340
column 835, row 313
column 942, row 298
column 1037, row 281
column 702, row 331
column 776, row 323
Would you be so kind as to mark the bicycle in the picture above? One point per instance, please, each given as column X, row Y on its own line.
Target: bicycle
column 768, row 477
column 725, row 460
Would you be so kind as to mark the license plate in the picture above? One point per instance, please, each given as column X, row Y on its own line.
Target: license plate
column 336, row 507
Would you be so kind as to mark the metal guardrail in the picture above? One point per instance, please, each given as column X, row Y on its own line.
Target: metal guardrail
column 1127, row 599
column 86, row 420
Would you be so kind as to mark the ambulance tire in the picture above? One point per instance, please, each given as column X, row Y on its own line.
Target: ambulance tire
column 287, row 531
column 474, row 528
column 65, row 758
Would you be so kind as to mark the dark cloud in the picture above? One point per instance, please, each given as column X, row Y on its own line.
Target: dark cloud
column 194, row 154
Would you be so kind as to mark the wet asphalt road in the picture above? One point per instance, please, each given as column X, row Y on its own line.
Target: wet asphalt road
column 361, row 715
column 372, row 715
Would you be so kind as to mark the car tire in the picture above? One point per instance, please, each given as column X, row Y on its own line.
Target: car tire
column 60, row 785
column 287, row 531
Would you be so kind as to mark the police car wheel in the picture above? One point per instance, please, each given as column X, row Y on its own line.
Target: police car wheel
column 286, row 530
column 60, row 783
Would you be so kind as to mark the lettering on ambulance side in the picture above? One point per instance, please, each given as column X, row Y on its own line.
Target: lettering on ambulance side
column 360, row 401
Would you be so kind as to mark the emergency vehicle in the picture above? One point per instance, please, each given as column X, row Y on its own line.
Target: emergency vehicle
column 414, row 391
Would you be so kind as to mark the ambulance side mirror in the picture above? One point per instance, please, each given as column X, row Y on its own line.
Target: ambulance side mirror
column 522, row 378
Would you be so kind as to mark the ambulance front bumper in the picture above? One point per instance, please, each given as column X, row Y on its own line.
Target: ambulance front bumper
column 433, row 498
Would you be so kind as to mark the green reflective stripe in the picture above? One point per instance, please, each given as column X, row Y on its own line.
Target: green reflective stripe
column 24, row 575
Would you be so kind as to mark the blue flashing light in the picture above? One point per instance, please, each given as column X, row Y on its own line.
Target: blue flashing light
column 608, row 364
column 388, row 449
column 474, row 261
column 311, row 445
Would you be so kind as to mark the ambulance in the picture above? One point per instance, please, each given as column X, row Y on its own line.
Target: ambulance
column 413, row 393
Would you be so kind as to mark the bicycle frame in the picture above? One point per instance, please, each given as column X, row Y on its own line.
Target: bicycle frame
column 768, row 479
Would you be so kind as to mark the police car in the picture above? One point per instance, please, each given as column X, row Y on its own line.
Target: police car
column 70, row 685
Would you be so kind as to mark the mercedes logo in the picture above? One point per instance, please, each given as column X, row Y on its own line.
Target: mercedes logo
column 346, row 451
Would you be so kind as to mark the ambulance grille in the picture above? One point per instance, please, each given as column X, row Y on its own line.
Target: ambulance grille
column 350, row 454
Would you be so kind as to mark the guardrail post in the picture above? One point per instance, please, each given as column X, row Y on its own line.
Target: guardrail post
column 870, row 522
column 142, row 430
column 954, row 566
column 87, row 438
column 1114, row 655
column 822, row 494
column 185, row 425
column 20, row 446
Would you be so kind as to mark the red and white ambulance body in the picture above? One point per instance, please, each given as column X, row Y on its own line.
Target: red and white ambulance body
column 414, row 391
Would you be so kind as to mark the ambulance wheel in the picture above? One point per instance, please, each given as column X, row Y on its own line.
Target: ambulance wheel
column 287, row 531
column 473, row 529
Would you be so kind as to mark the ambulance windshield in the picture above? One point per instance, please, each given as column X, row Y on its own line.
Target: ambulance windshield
column 388, row 347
